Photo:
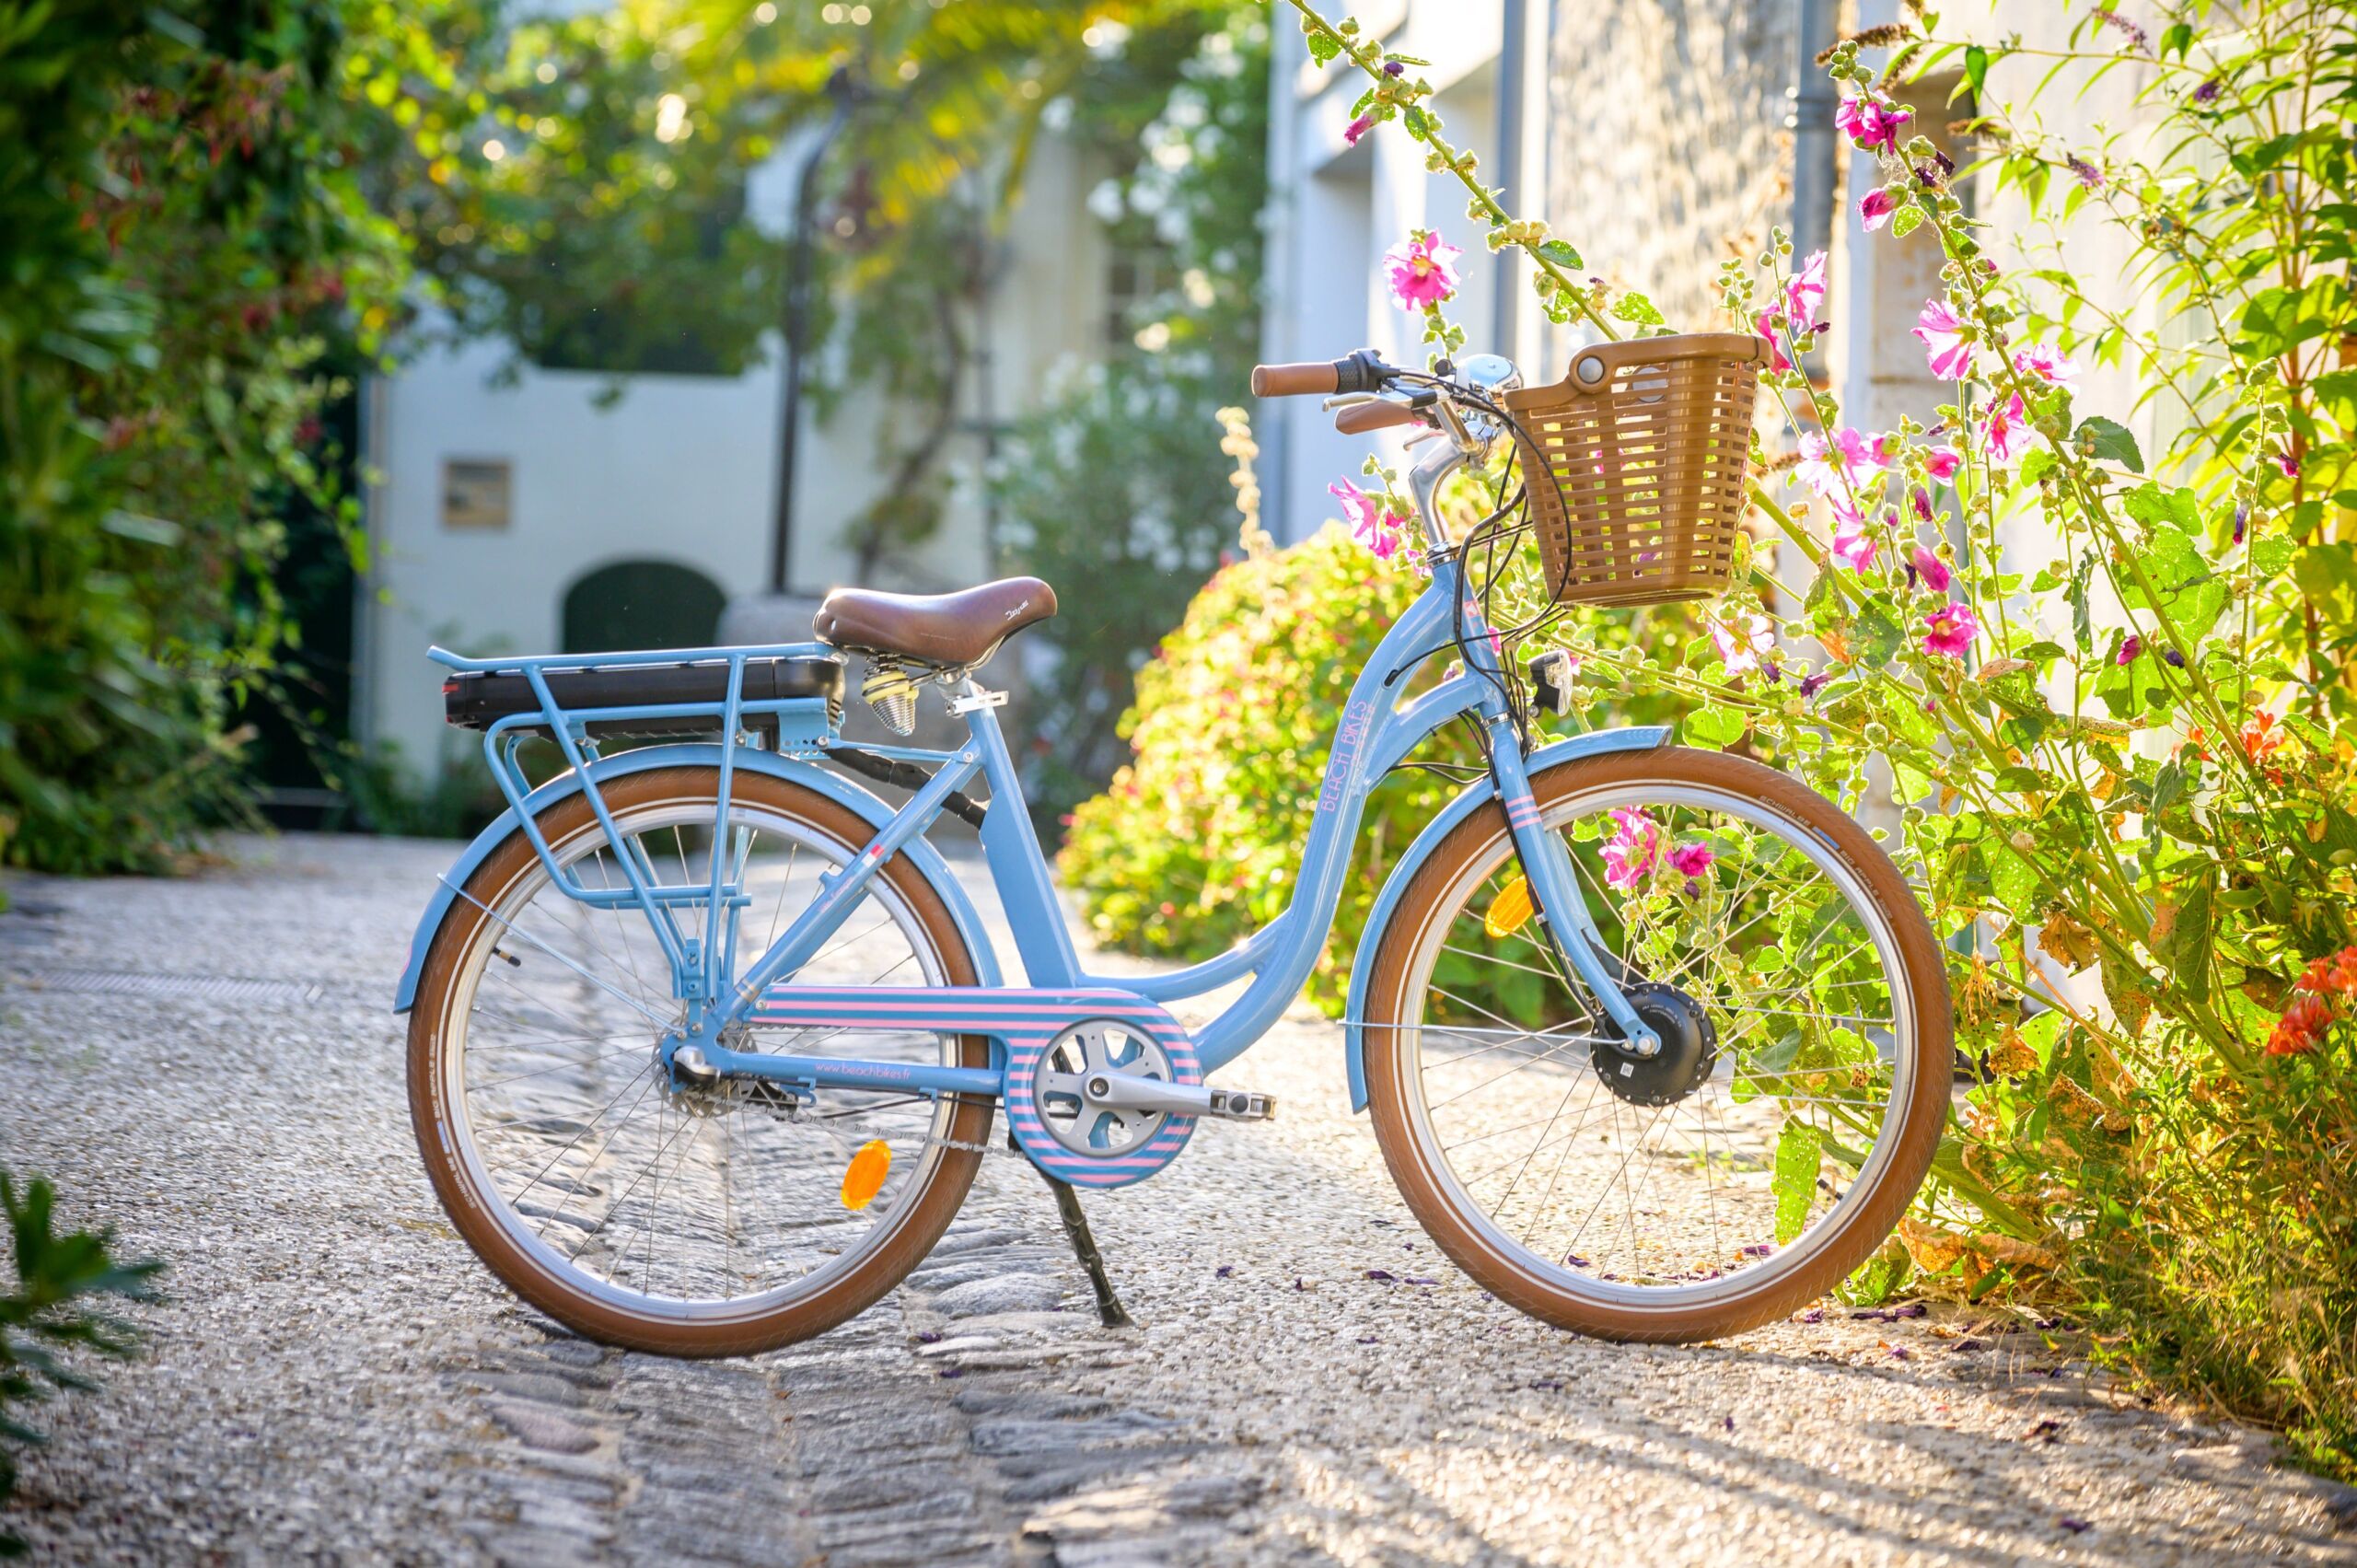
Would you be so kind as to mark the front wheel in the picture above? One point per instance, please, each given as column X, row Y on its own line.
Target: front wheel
column 1773, row 1144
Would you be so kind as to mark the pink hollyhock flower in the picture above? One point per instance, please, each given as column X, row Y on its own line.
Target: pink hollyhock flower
column 1765, row 323
column 1942, row 465
column 2047, row 363
column 1949, row 630
column 1845, row 461
column 1634, row 848
column 1383, row 531
column 1946, row 340
column 1742, row 644
column 1422, row 270
column 1933, row 569
column 1806, row 293
column 1875, row 208
column 1691, row 860
column 2008, row 433
column 2128, row 650
column 1357, row 128
column 1872, row 123
column 1853, row 546
column 2288, row 463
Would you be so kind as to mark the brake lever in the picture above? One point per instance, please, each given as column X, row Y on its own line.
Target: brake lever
column 1346, row 400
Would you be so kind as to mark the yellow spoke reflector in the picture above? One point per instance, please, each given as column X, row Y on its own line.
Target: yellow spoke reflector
column 1508, row 910
column 865, row 1177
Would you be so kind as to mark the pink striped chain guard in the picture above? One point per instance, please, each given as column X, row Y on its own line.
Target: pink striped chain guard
column 1026, row 1023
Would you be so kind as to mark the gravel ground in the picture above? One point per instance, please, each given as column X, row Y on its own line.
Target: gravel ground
column 333, row 1378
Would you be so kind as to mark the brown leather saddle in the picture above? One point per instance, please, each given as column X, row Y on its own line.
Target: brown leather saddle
column 960, row 628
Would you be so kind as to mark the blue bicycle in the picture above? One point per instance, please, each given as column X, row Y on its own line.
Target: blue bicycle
column 706, row 1041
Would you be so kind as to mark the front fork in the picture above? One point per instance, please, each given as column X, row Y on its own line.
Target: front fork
column 1554, row 884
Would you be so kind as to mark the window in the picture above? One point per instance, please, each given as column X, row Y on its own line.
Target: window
column 475, row 492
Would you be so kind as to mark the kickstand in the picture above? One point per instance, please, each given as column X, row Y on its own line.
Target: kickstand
column 1084, row 1246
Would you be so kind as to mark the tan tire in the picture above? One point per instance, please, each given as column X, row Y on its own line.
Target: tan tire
column 483, row 1203
column 1735, row 1279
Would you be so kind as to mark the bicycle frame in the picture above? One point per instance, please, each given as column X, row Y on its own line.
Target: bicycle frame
column 1376, row 733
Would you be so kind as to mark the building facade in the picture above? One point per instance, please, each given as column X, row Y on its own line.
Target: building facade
column 533, row 510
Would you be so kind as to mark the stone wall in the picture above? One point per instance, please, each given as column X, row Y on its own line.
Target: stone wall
column 1668, row 139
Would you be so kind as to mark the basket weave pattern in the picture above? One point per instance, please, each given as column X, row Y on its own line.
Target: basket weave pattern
column 1635, row 465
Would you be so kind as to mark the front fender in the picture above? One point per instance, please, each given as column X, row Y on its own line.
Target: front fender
column 1643, row 738
column 835, row 787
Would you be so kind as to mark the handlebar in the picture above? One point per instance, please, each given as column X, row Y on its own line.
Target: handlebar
column 1381, row 414
column 1294, row 380
column 1361, row 371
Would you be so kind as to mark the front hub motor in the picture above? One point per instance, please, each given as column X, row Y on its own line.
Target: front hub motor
column 1690, row 1049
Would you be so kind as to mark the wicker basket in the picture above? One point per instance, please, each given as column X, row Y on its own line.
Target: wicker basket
column 1635, row 464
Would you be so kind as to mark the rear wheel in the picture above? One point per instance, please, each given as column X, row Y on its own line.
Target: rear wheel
column 697, row 1221
column 1776, row 1141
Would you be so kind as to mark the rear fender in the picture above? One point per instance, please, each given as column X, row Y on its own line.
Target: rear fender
column 1596, row 743
column 843, row 792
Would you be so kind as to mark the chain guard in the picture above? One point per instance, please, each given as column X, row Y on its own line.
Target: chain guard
column 1027, row 1024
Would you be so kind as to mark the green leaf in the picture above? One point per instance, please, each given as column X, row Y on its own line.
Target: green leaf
column 1906, row 221
column 1323, row 45
column 2277, row 320
column 2189, row 939
column 2014, row 881
column 2269, row 556
column 1714, row 727
column 2040, row 1034
column 1877, row 636
column 1799, row 1150
column 2109, row 440
column 1561, row 253
column 1634, row 306
column 1976, row 68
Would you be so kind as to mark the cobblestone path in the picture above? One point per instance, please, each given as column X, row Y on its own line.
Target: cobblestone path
column 334, row 1380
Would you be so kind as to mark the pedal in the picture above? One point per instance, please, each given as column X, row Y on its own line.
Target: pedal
column 1243, row 1105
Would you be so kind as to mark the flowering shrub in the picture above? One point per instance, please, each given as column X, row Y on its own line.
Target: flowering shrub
column 2114, row 774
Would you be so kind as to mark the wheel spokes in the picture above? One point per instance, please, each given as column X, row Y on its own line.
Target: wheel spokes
column 1570, row 1150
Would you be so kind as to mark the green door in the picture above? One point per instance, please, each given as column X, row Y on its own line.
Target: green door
column 642, row 604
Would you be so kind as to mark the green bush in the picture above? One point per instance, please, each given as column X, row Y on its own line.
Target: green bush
column 181, row 243
column 42, row 1322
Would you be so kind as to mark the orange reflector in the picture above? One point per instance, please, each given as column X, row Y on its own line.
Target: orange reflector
column 1508, row 910
column 865, row 1177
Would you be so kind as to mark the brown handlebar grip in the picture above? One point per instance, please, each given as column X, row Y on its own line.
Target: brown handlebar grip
column 1380, row 414
column 1293, row 381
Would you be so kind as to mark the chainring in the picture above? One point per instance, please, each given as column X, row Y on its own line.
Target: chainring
column 1055, row 1117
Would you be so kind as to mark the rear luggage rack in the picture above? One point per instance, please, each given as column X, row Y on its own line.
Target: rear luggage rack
column 779, row 699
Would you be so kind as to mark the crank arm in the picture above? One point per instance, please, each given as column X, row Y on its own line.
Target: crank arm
column 1119, row 1091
